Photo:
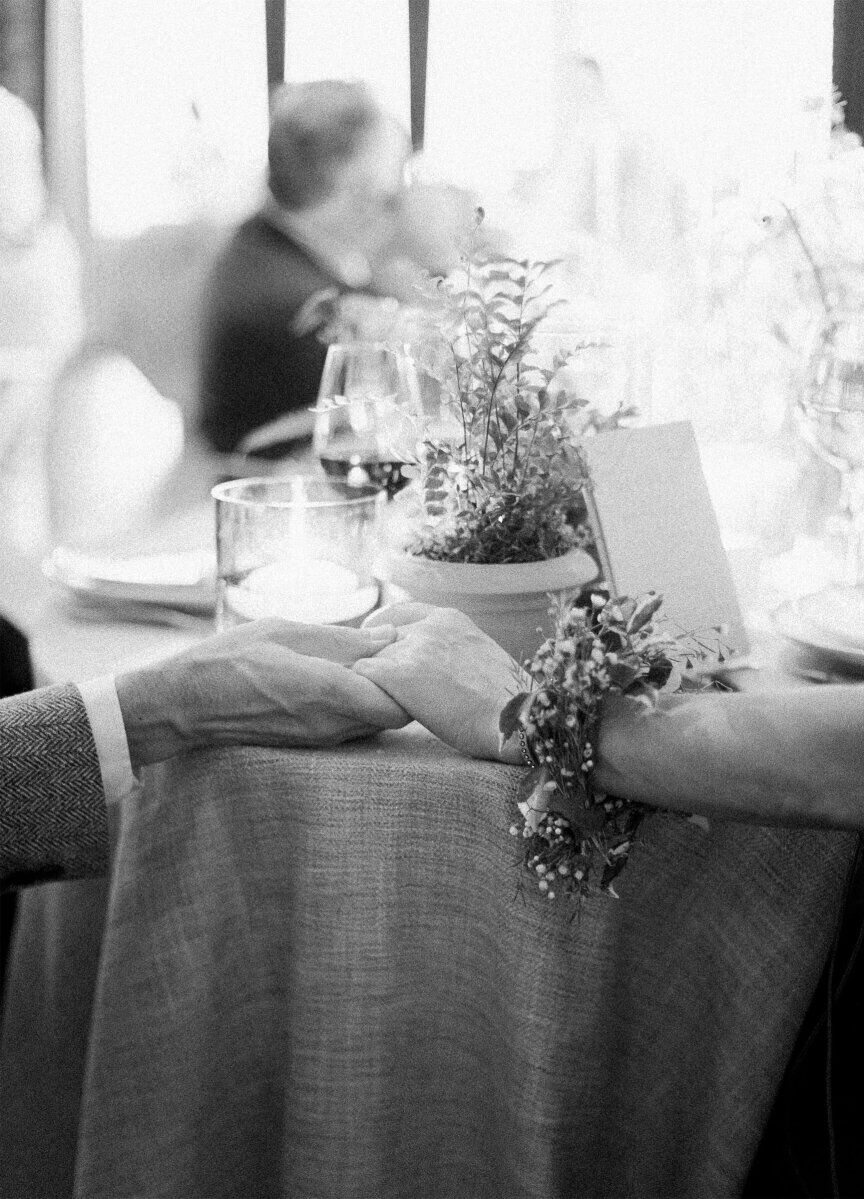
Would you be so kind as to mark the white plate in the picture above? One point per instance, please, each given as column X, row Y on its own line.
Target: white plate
column 825, row 623
column 182, row 581
column 836, row 613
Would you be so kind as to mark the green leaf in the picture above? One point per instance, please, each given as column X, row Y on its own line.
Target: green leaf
column 509, row 720
column 532, row 784
column 623, row 674
column 587, row 820
column 645, row 609
column 499, row 274
column 541, row 266
column 659, row 673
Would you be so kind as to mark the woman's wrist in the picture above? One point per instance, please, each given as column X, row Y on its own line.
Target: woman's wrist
column 614, row 728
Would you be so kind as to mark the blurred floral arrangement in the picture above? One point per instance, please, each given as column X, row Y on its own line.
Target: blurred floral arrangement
column 577, row 840
column 502, row 475
column 800, row 257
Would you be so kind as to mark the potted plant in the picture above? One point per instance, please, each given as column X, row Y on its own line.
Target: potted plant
column 499, row 521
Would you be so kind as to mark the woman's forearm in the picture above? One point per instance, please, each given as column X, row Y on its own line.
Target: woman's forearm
column 791, row 757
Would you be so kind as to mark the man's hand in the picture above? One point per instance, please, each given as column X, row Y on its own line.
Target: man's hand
column 271, row 682
column 447, row 674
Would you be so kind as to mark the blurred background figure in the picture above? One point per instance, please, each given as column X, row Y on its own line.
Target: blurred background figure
column 340, row 219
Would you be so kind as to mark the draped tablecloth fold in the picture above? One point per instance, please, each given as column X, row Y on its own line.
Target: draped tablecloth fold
column 317, row 978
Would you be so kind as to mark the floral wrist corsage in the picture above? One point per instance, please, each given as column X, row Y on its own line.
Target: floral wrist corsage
column 607, row 647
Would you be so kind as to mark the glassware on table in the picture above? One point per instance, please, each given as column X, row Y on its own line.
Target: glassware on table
column 831, row 419
column 296, row 548
column 367, row 422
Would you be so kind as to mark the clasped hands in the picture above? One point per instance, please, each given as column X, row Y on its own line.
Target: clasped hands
column 443, row 671
column 279, row 683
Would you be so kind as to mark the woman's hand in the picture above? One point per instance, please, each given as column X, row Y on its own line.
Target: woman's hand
column 271, row 682
column 447, row 674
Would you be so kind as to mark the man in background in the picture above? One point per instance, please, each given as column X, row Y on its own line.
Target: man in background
column 337, row 174
column 341, row 219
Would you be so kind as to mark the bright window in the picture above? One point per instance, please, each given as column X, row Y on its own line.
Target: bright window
column 352, row 39
column 176, row 90
column 720, row 88
column 175, row 102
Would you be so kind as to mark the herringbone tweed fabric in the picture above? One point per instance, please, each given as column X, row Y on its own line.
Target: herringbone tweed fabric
column 52, row 806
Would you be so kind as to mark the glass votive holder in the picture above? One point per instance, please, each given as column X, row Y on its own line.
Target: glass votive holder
column 295, row 548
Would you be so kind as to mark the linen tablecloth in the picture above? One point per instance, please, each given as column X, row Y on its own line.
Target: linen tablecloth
column 316, row 977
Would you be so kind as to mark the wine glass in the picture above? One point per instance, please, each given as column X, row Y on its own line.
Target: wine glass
column 831, row 419
column 367, row 419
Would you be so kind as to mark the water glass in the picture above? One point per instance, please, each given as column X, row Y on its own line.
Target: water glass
column 831, row 418
column 295, row 548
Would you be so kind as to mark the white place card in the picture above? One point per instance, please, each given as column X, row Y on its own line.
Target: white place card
column 657, row 530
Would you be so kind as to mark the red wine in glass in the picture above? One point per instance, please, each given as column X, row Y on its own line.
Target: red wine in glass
column 354, row 471
column 368, row 416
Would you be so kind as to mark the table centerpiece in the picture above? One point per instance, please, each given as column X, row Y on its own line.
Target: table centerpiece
column 499, row 522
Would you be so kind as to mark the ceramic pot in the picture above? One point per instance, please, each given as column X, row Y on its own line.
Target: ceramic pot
column 510, row 602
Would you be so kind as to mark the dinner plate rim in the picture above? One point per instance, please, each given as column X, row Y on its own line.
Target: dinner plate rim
column 189, row 597
column 780, row 617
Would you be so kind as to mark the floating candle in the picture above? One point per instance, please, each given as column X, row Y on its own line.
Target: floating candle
column 311, row 590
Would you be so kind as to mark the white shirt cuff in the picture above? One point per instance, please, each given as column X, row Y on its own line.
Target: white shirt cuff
column 109, row 734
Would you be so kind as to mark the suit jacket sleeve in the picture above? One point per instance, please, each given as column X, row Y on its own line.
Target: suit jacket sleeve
column 53, row 819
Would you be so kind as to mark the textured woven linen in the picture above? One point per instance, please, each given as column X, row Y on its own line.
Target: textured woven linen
column 317, row 979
